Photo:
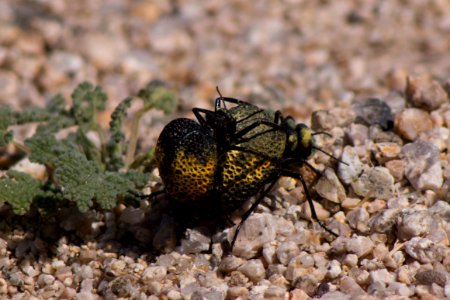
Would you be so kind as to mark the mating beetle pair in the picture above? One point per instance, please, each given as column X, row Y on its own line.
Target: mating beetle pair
column 231, row 155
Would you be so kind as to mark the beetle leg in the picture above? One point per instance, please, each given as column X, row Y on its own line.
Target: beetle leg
column 308, row 197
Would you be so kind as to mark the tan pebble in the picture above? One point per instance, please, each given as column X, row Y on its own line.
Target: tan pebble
column 230, row 263
column 275, row 292
column 3, row 287
column 376, row 206
column 425, row 93
column 299, row 294
column 321, row 212
column 396, row 167
column 254, row 270
column 350, row 203
column 154, row 273
column 174, row 295
column 386, row 151
column 404, row 275
column 236, row 292
column 411, row 122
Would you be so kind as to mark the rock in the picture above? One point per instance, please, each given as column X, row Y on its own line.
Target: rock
column 9, row 84
column 431, row 276
column 351, row 287
column 352, row 169
column 104, row 50
column 154, row 273
column 423, row 166
column 195, row 241
column 397, row 168
column 413, row 223
column 254, row 270
column 411, row 122
column 237, row 292
column 286, row 251
column 374, row 182
column 275, row 292
column 165, row 238
column 256, row 231
column 425, row 93
column 424, row 250
column 230, row 263
column 334, row 269
column 358, row 219
column 358, row 134
column 373, row 111
column 381, row 275
column 442, row 209
column 360, row 245
column 383, row 222
column 385, row 152
column 399, row 289
column 132, row 215
column 329, row 187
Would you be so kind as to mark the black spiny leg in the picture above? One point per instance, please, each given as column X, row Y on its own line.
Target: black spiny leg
column 308, row 197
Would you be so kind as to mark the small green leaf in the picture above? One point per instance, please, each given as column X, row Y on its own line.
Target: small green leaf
column 19, row 190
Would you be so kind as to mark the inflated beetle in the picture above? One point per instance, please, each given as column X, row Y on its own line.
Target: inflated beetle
column 231, row 155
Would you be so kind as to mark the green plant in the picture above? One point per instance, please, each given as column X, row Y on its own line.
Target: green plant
column 78, row 171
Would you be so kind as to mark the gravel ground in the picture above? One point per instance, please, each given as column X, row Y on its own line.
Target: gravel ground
column 361, row 63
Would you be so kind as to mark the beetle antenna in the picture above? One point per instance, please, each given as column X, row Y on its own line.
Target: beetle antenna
column 331, row 156
column 221, row 97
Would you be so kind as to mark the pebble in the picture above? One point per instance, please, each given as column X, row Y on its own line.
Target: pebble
column 424, row 250
column 9, row 85
column 286, row 251
column 351, row 287
column 256, row 231
column 45, row 280
column 87, row 255
column 413, row 223
column 425, row 93
column 334, row 269
column 154, row 273
column 329, row 187
column 358, row 134
column 423, row 166
column 104, row 50
column 253, row 269
column 269, row 253
column 174, row 295
column 384, row 221
column 230, row 263
column 195, row 242
column 350, row 260
column 275, row 292
column 374, row 182
column 431, row 276
column 397, row 168
column 385, row 152
column 442, row 209
column 374, row 111
column 399, row 289
column 382, row 276
column 131, row 215
column 358, row 219
column 237, row 292
column 353, row 168
column 360, row 245
column 411, row 122
column 326, row 120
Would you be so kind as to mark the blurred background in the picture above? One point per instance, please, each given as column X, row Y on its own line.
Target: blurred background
column 294, row 55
